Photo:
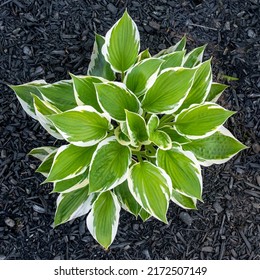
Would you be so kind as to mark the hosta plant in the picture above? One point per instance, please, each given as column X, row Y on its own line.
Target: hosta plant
column 136, row 130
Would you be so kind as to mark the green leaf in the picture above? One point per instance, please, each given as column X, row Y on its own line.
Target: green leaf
column 43, row 109
column 136, row 127
column 121, row 137
column 45, row 167
column 200, row 121
column 23, row 93
column 151, row 188
column 215, row 149
column 194, row 57
column 82, row 126
column 174, row 135
column 122, row 44
column 42, row 152
column 158, row 137
column 183, row 169
column 174, row 59
column 215, row 92
column 85, row 92
column 143, row 55
column 114, row 98
column 179, row 46
column 98, row 66
column 142, row 75
column 109, row 165
column 168, row 92
column 126, row 199
column 144, row 215
column 102, row 221
column 183, row 200
column 73, row 205
column 201, row 85
column 60, row 94
column 71, row 184
column 69, row 162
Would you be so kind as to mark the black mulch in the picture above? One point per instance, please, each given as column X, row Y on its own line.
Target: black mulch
column 46, row 40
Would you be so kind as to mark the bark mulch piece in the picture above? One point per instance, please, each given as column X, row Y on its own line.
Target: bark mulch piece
column 48, row 39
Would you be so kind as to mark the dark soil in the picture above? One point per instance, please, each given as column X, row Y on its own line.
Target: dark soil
column 46, row 40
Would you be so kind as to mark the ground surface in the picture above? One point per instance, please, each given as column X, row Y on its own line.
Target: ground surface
column 48, row 39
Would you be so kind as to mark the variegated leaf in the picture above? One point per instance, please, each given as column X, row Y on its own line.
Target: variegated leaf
column 98, row 66
column 109, row 165
column 82, row 126
column 183, row 169
column 200, row 121
column 215, row 149
column 151, row 187
column 69, row 162
column 102, row 221
column 73, row 205
column 122, row 44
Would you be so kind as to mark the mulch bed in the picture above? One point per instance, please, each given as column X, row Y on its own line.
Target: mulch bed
column 46, row 41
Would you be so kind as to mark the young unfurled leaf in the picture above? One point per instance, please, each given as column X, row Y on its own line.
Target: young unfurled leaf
column 24, row 95
column 142, row 75
column 60, row 94
column 42, row 152
column 121, row 137
column 73, row 205
column 151, row 187
column 215, row 92
column 69, row 162
column 126, row 199
column 122, row 44
column 179, row 46
column 169, row 90
column 158, row 137
column 183, row 169
column 200, row 87
column 183, row 200
column 82, row 126
column 174, row 59
column 109, row 165
column 84, row 90
column 43, row 109
column 200, row 121
column 102, row 221
column 143, row 55
column 215, row 149
column 114, row 98
column 136, row 128
column 194, row 57
column 98, row 66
